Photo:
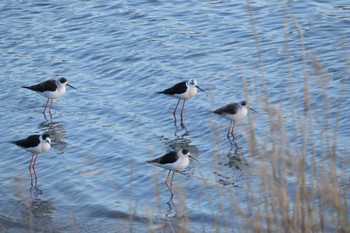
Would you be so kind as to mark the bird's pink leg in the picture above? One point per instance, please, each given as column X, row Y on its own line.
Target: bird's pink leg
column 35, row 163
column 228, row 132
column 166, row 182
column 174, row 113
column 182, row 110
column 30, row 165
column 233, row 127
column 51, row 106
column 171, row 182
column 47, row 102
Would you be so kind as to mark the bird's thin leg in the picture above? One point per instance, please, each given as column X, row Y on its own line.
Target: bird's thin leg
column 232, row 133
column 51, row 106
column 166, row 182
column 30, row 165
column 36, row 157
column 233, row 127
column 47, row 102
column 228, row 132
column 174, row 113
column 182, row 110
column 171, row 182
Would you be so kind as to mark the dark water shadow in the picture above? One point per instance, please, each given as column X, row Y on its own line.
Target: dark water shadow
column 30, row 211
column 27, row 211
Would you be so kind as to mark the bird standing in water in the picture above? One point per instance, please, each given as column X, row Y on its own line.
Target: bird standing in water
column 51, row 89
column 233, row 112
column 173, row 161
column 182, row 91
column 36, row 144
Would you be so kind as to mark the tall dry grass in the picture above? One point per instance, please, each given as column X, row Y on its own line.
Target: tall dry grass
column 304, row 179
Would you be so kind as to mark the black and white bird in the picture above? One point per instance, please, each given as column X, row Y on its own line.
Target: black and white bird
column 36, row 144
column 182, row 91
column 233, row 112
column 173, row 161
column 51, row 89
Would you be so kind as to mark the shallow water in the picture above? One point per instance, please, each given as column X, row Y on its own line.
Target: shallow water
column 118, row 55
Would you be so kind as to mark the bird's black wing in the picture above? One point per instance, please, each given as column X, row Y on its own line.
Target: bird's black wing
column 28, row 142
column 170, row 157
column 228, row 109
column 49, row 85
column 176, row 89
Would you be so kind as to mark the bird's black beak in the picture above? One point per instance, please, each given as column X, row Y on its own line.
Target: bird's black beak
column 199, row 88
column 71, row 86
column 193, row 158
column 252, row 110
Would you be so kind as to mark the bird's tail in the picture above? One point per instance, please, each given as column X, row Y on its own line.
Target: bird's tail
column 160, row 92
column 13, row 142
column 26, row 87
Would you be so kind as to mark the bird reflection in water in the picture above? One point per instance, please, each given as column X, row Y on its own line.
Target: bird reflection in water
column 36, row 209
column 234, row 161
column 182, row 124
column 46, row 118
column 181, row 131
column 171, row 212
column 57, row 133
column 34, row 190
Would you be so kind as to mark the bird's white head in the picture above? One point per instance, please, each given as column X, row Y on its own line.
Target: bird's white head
column 185, row 152
column 193, row 83
column 45, row 138
column 64, row 82
column 245, row 105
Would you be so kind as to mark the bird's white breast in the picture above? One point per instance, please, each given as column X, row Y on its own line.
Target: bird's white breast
column 45, row 146
column 241, row 113
column 39, row 149
column 190, row 92
column 179, row 165
column 60, row 91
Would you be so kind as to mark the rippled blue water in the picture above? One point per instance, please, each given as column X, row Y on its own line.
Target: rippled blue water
column 119, row 54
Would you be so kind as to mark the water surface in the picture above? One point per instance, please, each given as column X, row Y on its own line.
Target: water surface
column 119, row 54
